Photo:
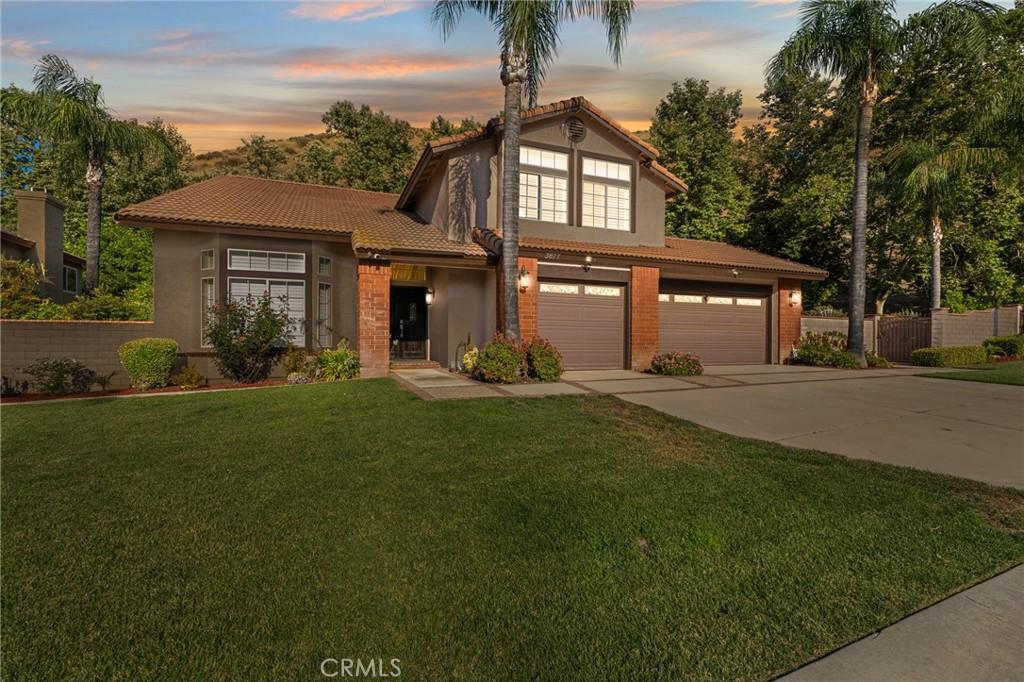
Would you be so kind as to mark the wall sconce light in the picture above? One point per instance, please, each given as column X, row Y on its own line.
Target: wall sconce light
column 795, row 298
column 587, row 262
column 524, row 279
column 429, row 297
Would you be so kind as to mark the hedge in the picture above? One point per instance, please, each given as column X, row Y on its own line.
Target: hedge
column 148, row 362
column 1010, row 346
column 948, row 357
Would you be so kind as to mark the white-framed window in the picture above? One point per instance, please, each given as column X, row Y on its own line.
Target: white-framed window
column 664, row 298
column 552, row 288
column 207, row 299
column 285, row 294
column 323, row 266
column 755, row 302
column 544, row 195
column 543, row 158
column 206, row 259
column 719, row 300
column 607, row 203
column 602, row 291
column 324, row 333
column 687, row 298
column 69, row 279
column 266, row 261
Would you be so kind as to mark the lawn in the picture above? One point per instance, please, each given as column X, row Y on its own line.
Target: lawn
column 251, row 534
column 1011, row 373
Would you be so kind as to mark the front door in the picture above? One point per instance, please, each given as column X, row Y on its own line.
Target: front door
column 408, row 323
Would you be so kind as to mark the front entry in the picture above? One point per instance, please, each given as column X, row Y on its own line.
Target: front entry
column 408, row 323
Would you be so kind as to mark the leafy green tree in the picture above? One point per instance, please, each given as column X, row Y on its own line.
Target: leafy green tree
column 263, row 158
column 69, row 112
column 528, row 34
column 318, row 164
column 693, row 129
column 376, row 151
column 442, row 127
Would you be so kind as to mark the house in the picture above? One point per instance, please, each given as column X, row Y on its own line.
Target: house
column 40, row 241
column 410, row 277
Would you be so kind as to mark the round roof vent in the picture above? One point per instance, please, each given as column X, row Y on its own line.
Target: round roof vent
column 574, row 130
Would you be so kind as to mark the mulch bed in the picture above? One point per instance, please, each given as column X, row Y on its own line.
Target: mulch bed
column 36, row 397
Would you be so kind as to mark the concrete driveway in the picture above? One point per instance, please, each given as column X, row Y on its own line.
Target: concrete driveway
column 962, row 428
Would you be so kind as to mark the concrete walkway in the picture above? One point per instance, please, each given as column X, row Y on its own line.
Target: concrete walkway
column 975, row 635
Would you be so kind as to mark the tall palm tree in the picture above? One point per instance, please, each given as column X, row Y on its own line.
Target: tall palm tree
column 528, row 41
column 68, row 111
column 858, row 43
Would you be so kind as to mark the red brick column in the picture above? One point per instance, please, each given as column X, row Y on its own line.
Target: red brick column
column 643, row 316
column 374, row 321
column 527, row 300
column 789, row 317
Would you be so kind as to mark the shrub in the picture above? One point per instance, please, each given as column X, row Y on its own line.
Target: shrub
column 247, row 338
column 500, row 362
column 824, row 349
column 9, row 389
column 876, row 360
column 298, row 378
column 148, row 362
column 60, row 376
column 543, row 361
column 19, row 288
column 46, row 309
column 948, row 357
column 103, row 305
column 469, row 358
column 188, row 378
column 676, row 364
column 294, row 360
column 1007, row 346
column 337, row 364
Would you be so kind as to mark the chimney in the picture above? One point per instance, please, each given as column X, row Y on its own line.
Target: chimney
column 41, row 219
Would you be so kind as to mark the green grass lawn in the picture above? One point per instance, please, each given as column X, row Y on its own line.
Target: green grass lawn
column 1011, row 373
column 251, row 534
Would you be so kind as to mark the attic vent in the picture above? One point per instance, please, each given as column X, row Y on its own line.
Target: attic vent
column 574, row 130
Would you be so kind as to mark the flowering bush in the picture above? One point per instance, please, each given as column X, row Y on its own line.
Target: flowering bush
column 500, row 362
column 247, row 338
column 676, row 364
column 469, row 358
column 543, row 361
column 824, row 349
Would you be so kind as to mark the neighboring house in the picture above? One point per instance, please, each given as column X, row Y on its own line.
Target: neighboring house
column 40, row 241
column 409, row 277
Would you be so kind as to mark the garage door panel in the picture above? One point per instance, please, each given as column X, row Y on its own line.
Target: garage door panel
column 587, row 329
column 717, row 333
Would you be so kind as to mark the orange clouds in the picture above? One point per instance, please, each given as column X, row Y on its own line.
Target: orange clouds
column 328, row 62
column 350, row 11
column 23, row 49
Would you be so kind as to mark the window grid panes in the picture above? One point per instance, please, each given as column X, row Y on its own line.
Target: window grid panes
column 323, row 266
column 323, row 316
column 688, row 298
column 285, row 294
column 606, row 206
column 549, row 288
column 542, row 158
column 602, row 291
column 207, row 301
column 543, row 197
column 606, row 169
column 267, row 261
column 719, row 300
column 206, row 259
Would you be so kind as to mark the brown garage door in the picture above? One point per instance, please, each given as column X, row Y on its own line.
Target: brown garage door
column 722, row 329
column 586, row 322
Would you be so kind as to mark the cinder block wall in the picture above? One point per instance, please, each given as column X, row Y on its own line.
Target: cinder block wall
column 840, row 324
column 973, row 327
column 93, row 343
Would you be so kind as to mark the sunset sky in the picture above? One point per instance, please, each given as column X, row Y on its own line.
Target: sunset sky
column 220, row 71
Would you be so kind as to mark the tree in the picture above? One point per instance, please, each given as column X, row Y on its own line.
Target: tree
column 693, row 129
column 858, row 42
column 317, row 164
column 263, row 158
column 528, row 34
column 376, row 152
column 442, row 127
column 69, row 111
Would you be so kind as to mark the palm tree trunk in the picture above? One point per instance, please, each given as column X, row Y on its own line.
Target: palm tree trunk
column 858, row 274
column 936, row 240
column 512, row 79
column 95, row 176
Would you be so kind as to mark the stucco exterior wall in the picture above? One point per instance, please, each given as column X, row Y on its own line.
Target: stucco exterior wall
column 973, row 327
column 461, row 310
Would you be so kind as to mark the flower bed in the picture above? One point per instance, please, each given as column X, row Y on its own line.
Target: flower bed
column 125, row 392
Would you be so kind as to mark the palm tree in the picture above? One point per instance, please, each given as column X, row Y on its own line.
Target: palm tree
column 858, row 43
column 528, row 42
column 68, row 111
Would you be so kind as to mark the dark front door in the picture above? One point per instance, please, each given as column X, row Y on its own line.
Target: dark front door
column 408, row 323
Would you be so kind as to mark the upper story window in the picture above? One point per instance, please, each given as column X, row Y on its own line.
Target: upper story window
column 606, row 194
column 206, row 259
column 543, row 185
column 323, row 266
column 266, row 261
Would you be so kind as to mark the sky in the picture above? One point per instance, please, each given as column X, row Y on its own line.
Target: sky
column 221, row 71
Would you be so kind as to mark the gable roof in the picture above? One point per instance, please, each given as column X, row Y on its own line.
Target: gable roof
column 436, row 149
column 369, row 219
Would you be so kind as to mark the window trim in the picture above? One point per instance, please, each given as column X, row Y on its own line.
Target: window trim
column 204, row 309
column 305, row 301
column 630, row 186
column 525, row 148
column 322, row 271
column 607, row 185
column 323, row 325
column 541, row 198
column 213, row 260
column 286, row 254
column 64, row 280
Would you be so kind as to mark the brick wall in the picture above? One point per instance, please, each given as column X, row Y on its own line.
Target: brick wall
column 789, row 317
column 973, row 327
column 643, row 316
column 527, row 300
column 93, row 343
column 374, row 320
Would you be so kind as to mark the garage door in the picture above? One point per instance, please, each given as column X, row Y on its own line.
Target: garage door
column 721, row 329
column 586, row 322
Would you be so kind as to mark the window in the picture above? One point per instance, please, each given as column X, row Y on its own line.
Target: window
column 542, row 158
column 266, row 261
column 206, row 259
column 664, row 298
column 606, row 204
column 323, row 266
column 719, row 300
column 602, row 291
column 285, row 294
column 749, row 301
column 688, row 298
column 324, row 333
column 544, row 196
column 70, row 280
column 207, row 299
column 549, row 288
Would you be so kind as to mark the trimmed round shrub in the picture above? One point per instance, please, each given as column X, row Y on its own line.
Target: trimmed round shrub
column 676, row 364
column 500, row 362
column 543, row 361
column 148, row 362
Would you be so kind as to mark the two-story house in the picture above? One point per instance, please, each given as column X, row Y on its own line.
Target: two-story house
column 40, row 241
column 409, row 277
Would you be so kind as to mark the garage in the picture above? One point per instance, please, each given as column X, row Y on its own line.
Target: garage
column 721, row 325
column 585, row 321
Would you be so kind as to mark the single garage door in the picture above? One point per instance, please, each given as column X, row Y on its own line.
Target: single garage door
column 720, row 328
column 586, row 322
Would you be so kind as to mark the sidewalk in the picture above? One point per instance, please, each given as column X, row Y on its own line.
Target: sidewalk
column 975, row 635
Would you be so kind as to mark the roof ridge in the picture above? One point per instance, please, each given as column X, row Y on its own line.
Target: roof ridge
column 748, row 249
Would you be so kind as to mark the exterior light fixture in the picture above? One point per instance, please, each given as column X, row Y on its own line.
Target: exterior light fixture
column 795, row 298
column 429, row 297
column 587, row 262
column 735, row 272
column 524, row 279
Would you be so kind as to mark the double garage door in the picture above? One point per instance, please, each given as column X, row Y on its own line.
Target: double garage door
column 587, row 323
